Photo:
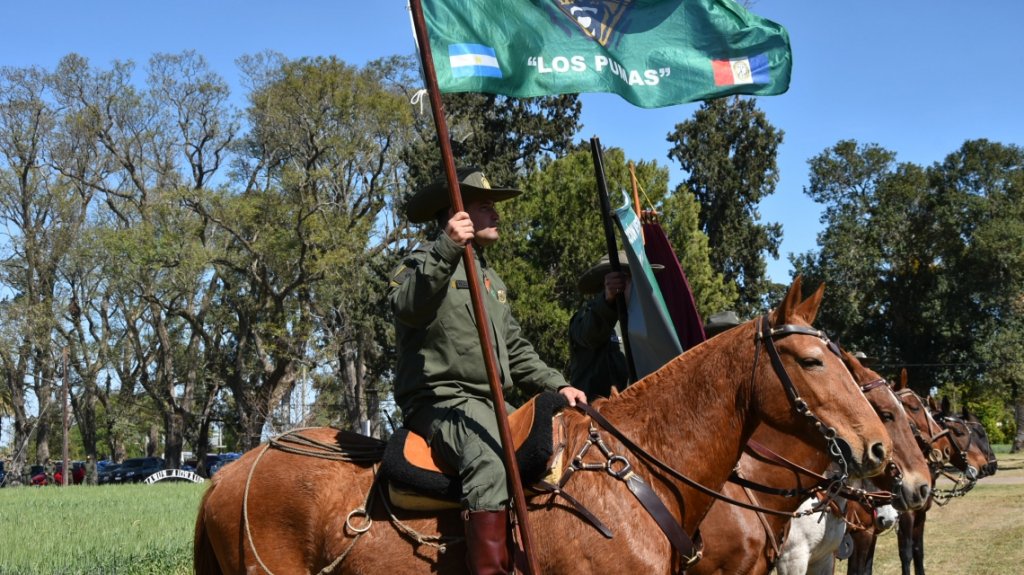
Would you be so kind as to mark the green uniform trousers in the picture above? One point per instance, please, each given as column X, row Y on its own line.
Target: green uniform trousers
column 466, row 436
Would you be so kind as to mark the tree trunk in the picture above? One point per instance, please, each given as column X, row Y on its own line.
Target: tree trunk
column 173, row 439
column 1018, row 412
column 152, row 441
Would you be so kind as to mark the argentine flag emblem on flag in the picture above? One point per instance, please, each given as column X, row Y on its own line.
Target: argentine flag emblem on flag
column 473, row 60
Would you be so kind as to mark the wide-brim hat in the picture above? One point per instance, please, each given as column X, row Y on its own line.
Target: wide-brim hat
column 864, row 359
column 592, row 280
column 721, row 321
column 425, row 204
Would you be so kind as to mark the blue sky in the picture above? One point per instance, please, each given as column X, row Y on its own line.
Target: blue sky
column 917, row 77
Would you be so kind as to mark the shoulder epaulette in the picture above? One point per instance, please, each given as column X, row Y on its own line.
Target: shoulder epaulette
column 409, row 264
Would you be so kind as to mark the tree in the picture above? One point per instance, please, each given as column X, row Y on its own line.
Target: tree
column 44, row 216
column 924, row 265
column 316, row 171
column 144, row 152
column 980, row 204
column 729, row 152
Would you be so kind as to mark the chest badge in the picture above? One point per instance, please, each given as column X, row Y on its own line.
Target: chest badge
column 501, row 296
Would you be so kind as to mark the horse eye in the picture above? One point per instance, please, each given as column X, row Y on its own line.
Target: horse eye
column 808, row 362
column 887, row 416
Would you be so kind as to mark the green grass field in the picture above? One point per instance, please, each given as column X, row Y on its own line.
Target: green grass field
column 980, row 534
column 118, row 529
column 147, row 529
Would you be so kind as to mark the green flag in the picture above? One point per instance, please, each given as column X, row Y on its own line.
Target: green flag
column 652, row 337
column 651, row 52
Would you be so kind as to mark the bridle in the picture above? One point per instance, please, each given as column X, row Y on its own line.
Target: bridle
column 766, row 336
column 964, row 481
column 937, row 459
column 871, row 499
column 951, row 420
column 891, row 468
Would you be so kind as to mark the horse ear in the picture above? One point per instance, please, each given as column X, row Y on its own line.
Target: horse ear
column 945, row 404
column 963, row 411
column 789, row 303
column 931, row 404
column 808, row 309
column 848, row 358
column 901, row 383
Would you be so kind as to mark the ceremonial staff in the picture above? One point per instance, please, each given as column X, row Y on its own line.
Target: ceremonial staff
column 455, row 195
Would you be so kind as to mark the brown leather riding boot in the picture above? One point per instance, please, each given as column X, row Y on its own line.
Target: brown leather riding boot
column 487, row 542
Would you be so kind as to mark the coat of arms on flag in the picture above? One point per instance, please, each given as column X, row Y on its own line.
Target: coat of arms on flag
column 599, row 19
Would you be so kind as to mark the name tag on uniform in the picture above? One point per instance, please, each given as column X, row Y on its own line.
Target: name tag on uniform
column 460, row 284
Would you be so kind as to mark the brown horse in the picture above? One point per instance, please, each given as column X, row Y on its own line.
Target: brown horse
column 950, row 441
column 297, row 514
column 745, row 541
column 864, row 529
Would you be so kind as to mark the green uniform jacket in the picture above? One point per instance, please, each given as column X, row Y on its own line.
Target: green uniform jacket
column 440, row 362
column 597, row 360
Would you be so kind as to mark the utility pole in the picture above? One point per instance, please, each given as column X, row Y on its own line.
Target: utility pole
column 66, row 469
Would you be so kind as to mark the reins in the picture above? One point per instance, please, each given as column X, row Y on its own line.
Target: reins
column 822, row 483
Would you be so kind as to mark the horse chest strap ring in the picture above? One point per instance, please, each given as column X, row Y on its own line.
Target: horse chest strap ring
column 616, row 465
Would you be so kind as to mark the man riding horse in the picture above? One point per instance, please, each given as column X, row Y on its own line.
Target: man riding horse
column 441, row 384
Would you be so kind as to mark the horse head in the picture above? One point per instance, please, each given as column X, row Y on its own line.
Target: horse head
column 819, row 398
column 972, row 452
column 931, row 437
column 908, row 477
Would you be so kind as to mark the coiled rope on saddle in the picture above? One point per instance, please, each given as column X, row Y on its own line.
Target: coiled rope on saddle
column 350, row 447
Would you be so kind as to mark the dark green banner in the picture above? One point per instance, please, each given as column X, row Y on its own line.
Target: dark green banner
column 653, row 53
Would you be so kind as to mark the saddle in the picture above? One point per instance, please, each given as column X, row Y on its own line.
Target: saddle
column 418, row 479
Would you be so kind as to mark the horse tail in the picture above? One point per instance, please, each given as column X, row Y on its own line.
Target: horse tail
column 204, row 560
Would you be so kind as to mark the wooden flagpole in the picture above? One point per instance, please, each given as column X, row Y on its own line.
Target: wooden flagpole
column 636, row 199
column 482, row 323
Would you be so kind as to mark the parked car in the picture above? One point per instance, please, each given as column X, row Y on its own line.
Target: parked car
column 193, row 465
column 137, row 469
column 225, row 458
column 105, row 474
